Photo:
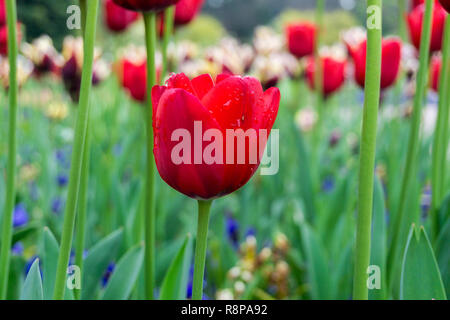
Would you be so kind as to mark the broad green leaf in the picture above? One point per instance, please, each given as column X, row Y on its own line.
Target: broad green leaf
column 378, row 243
column 96, row 263
column 420, row 279
column 318, row 273
column 32, row 288
column 49, row 257
column 443, row 255
column 305, row 179
column 125, row 275
column 175, row 282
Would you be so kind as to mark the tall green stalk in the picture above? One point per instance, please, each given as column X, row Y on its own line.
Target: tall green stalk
column 367, row 152
column 440, row 142
column 204, row 208
column 169, row 14
column 150, row 41
column 403, row 32
column 77, row 152
column 11, row 16
column 409, row 174
column 80, row 225
column 80, row 234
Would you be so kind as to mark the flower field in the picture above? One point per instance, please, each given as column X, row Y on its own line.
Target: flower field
column 153, row 154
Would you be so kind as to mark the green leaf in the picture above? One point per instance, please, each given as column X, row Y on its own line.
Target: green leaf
column 318, row 273
column 443, row 254
column 378, row 243
column 420, row 279
column 49, row 257
column 32, row 288
column 97, row 261
column 125, row 274
column 176, row 279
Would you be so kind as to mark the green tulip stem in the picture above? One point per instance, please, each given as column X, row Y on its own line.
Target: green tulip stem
column 6, row 237
column 441, row 135
column 400, row 221
column 81, row 128
column 168, row 30
column 150, row 41
column 200, row 248
column 367, row 151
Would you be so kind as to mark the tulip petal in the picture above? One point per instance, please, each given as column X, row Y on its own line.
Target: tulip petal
column 180, row 81
column 202, row 85
column 227, row 101
column 178, row 109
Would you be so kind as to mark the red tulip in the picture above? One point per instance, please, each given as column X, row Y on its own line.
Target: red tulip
column 333, row 73
column 117, row 18
column 301, row 38
column 416, row 3
column 415, row 18
column 2, row 13
column 145, row 5
column 133, row 77
column 435, row 71
column 195, row 107
column 186, row 10
column 390, row 62
column 445, row 4
column 4, row 38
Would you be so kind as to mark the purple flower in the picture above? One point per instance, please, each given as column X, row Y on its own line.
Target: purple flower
column 108, row 273
column 20, row 217
column 17, row 249
column 328, row 184
column 251, row 232
column 232, row 229
column 190, row 284
column 62, row 180
column 425, row 201
column 57, row 205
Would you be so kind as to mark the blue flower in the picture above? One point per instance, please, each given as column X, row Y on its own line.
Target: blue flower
column 191, row 282
column 62, row 180
column 108, row 273
column 20, row 217
column 251, row 232
column 232, row 229
column 17, row 249
column 328, row 184
column 425, row 201
column 57, row 205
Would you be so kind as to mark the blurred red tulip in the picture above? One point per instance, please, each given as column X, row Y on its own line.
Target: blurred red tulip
column 117, row 18
column 186, row 10
column 133, row 77
column 145, row 5
column 445, row 4
column 4, row 38
column 2, row 13
column 415, row 18
column 435, row 71
column 231, row 102
column 390, row 62
column 301, row 38
column 333, row 73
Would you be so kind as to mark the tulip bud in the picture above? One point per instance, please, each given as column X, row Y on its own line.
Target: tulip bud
column 301, row 38
column 415, row 20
